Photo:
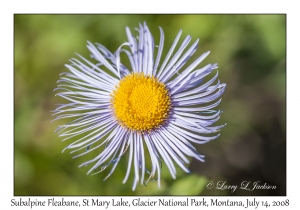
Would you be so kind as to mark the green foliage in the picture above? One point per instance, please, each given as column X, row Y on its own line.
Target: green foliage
column 188, row 185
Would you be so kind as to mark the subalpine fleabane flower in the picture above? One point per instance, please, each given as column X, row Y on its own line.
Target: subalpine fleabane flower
column 155, row 108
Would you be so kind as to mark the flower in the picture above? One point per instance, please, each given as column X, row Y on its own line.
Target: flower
column 155, row 107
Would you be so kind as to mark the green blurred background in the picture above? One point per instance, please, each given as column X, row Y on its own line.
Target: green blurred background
column 251, row 53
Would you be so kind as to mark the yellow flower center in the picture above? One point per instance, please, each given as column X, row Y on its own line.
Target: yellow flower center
column 141, row 102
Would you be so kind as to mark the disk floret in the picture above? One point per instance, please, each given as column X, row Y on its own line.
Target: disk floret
column 141, row 102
